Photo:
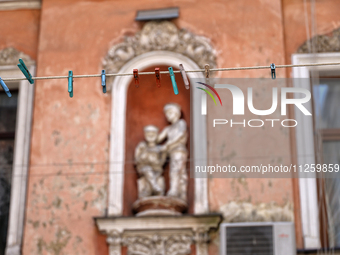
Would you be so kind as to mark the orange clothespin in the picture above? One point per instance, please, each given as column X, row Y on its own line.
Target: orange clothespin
column 158, row 77
column 135, row 75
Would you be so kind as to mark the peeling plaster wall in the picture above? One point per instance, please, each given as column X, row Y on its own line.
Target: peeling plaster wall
column 68, row 133
column 326, row 20
column 75, row 35
column 60, row 210
column 252, row 38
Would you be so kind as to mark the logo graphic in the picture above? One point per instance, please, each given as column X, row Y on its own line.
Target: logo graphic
column 239, row 101
column 279, row 96
column 208, row 92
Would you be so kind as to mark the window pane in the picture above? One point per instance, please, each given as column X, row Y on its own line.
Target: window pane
column 326, row 103
column 331, row 155
column 8, row 111
column 6, row 161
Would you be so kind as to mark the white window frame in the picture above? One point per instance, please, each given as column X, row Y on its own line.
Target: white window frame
column 305, row 145
column 21, row 158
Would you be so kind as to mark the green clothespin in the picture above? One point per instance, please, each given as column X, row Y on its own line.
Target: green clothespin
column 25, row 71
column 70, row 83
column 173, row 80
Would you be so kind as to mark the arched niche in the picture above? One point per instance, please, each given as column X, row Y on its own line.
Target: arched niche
column 118, row 127
column 158, row 43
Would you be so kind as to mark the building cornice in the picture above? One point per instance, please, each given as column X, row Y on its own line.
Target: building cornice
column 17, row 5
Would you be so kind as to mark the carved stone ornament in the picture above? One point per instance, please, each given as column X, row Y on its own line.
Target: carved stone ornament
column 160, row 235
column 322, row 43
column 159, row 245
column 247, row 212
column 10, row 56
column 114, row 240
column 160, row 36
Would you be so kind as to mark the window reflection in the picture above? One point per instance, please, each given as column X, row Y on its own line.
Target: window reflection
column 326, row 97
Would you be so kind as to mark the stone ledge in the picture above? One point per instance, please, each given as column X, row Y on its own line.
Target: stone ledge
column 125, row 223
column 159, row 204
column 165, row 235
column 16, row 5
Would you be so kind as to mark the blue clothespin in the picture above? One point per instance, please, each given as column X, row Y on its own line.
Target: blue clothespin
column 174, row 84
column 3, row 85
column 104, row 81
column 272, row 67
column 70, row 83
column 25, row 71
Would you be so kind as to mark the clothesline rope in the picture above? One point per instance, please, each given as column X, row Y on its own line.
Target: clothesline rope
column 167, row 72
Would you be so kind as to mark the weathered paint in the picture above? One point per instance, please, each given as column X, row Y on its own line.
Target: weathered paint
column 75, row 35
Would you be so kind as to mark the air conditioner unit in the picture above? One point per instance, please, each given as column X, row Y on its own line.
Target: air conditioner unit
column 257, row 238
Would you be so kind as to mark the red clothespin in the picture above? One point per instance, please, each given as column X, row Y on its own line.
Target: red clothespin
column 135, row 75
column 158, row 77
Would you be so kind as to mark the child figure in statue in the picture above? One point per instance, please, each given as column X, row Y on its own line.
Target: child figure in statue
column 176, row 139
column 150, row 158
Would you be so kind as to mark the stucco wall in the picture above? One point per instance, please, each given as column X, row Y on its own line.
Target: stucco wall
column 320, row 19
column 75, row 35
column 20, row 30
column 68, row 133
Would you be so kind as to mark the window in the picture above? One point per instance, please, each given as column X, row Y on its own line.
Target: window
column 318, row 148
column 8, row 110
column 15, row 134
column 327, row 129
column 320, row 137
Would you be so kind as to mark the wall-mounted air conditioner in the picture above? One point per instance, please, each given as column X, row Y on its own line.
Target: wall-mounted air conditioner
column 257, row 238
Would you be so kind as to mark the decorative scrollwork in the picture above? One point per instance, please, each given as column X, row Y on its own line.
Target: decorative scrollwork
column 322, row 43
column 160, row 36
column 158, row 245
column 10, row 56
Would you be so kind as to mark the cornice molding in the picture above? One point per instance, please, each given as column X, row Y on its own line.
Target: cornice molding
column 10, row 56
column 322, row 43
column 16, row 5
column 167, row 235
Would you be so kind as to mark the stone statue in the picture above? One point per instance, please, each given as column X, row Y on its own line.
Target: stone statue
column 176, row 139
column 150, row 158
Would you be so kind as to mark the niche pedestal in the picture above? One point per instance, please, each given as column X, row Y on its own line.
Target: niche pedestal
column 159, row 205
column 161, row 235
